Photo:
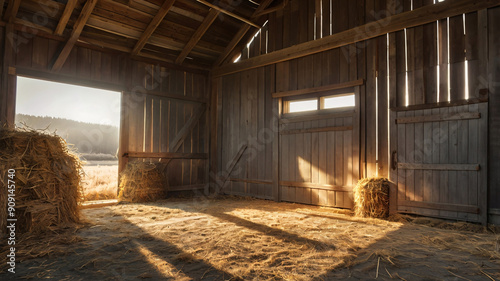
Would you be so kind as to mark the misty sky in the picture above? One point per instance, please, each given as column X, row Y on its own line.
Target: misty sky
column 43, row 98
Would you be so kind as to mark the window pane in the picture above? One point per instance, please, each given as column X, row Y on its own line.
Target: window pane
column 339, row 101
column 303, row 105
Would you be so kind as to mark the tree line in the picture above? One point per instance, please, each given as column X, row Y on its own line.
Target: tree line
column 87, row 138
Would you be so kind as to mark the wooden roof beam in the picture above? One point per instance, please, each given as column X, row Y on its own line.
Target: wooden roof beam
column 152, row 26
column 240, row 34
column 270, row 10
column 68, row 10
column 2, row 3
column 212, row 15
column 417, row 17
column 77, row 30
column 12, row 9
column 247, row 21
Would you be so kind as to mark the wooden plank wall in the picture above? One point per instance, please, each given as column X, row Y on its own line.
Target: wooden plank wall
column 246, row 118
column 3, row 94
column 493, row 79
column 155, row 120
column 89, row 66
column 156, row 102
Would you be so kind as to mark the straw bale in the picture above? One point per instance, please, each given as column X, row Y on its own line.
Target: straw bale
column 371, row 198
column 47, row 179
column 142, row 182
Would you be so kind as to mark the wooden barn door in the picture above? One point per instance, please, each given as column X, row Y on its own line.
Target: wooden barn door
column 319, row 158
column 440, row 160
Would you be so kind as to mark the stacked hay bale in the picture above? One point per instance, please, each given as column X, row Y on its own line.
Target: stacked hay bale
column 371, row 198
column 47, row 180
column 142, row 182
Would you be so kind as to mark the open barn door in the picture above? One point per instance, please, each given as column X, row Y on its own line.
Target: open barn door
column 440, row 161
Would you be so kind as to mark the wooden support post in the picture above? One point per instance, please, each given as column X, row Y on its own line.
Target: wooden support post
column 68, row 10
column 167, row 5
column 212, row 15
column 75, row 34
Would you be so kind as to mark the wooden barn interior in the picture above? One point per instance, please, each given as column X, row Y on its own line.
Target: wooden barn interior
column 213, row 90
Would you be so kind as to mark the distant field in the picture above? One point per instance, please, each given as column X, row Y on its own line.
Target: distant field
column 100, row 182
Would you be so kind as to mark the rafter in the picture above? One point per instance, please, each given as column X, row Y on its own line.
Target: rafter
column 77, row 30
column 240, row 34
column 417, row 17
column 68, row 10
column 212, row 15
column 152, row 26
column 247, row 21
column 12, row 10
column 270, row 10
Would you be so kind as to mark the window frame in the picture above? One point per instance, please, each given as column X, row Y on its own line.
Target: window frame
column 319, row 96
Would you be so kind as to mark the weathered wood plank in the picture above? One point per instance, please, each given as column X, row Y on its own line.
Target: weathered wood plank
column 457, row 58
column 336, row 86
column 439, row 117
column 11, row 11
column 317, row 186
column 166, row 155
column 440, row 206
column 255, row 181
column 162, row 12
column 483, row 93
column 231, row 165
column 410, row 157
column 316, row 130
column 202, row 29
column 63, row 21
column 75, row 34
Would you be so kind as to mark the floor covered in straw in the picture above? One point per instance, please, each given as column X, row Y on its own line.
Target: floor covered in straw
column 248, row 239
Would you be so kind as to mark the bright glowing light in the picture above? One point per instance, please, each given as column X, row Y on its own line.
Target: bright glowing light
column 339, row 101
column 44, row 98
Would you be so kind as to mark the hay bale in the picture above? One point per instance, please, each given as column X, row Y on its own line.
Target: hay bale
column 142, row 182
column 47, row 178
column 371, row 198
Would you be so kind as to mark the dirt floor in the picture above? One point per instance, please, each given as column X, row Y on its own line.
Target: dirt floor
column 247, row 239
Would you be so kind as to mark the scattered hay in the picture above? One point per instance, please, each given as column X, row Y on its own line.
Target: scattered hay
column 142, row 182
column 47, row 178
column 371, row 198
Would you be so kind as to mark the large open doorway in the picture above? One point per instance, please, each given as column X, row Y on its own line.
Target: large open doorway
column 87, row 118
